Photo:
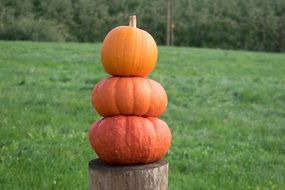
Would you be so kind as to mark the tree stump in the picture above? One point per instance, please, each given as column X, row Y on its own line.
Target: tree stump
column 152, row 176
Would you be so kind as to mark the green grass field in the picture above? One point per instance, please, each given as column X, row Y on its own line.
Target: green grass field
column 226, row 111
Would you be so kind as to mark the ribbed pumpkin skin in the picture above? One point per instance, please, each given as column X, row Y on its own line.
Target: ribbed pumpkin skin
column 126, row 140
column 129, row 96
column 129, row 51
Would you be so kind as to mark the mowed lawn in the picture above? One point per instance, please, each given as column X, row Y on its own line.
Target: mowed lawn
column 226, row 111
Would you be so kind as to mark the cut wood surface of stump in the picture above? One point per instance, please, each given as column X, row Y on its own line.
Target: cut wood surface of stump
column 152, row 176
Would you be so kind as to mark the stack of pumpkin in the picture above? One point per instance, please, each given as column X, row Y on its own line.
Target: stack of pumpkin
column 130, row 132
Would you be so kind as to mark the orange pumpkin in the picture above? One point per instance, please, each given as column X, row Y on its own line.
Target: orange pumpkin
column 129, row 51
column 125, row 140
column 129, row 96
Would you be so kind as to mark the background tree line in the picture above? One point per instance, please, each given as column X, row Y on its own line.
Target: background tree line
column 236, row 24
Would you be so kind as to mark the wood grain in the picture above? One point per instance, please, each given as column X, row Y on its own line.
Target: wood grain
column 152, row 176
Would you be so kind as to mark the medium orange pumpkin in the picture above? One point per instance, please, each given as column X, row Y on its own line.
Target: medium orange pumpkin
column 129, row 51
column 125, row 140
column 129, row 96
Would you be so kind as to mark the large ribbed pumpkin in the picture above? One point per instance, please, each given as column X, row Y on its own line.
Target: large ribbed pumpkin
column 125, row 140
column 129, row 51
column 129, row 96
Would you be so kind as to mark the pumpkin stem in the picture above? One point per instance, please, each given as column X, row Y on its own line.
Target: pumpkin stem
column 133, row 21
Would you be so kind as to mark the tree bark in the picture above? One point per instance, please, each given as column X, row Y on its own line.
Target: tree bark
column 152, row 176
column 169, row 23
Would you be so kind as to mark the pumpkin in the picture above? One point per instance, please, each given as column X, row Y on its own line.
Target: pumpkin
column 129, row 51
column 126, row 140
column 129, row 96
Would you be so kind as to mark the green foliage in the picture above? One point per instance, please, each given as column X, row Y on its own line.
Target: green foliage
column 245, row 24
column 226, row 113
column 36, row 30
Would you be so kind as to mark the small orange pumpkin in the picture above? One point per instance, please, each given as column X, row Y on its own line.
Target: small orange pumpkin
column 129, row 51
column 129, row 96
column 126, row 140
